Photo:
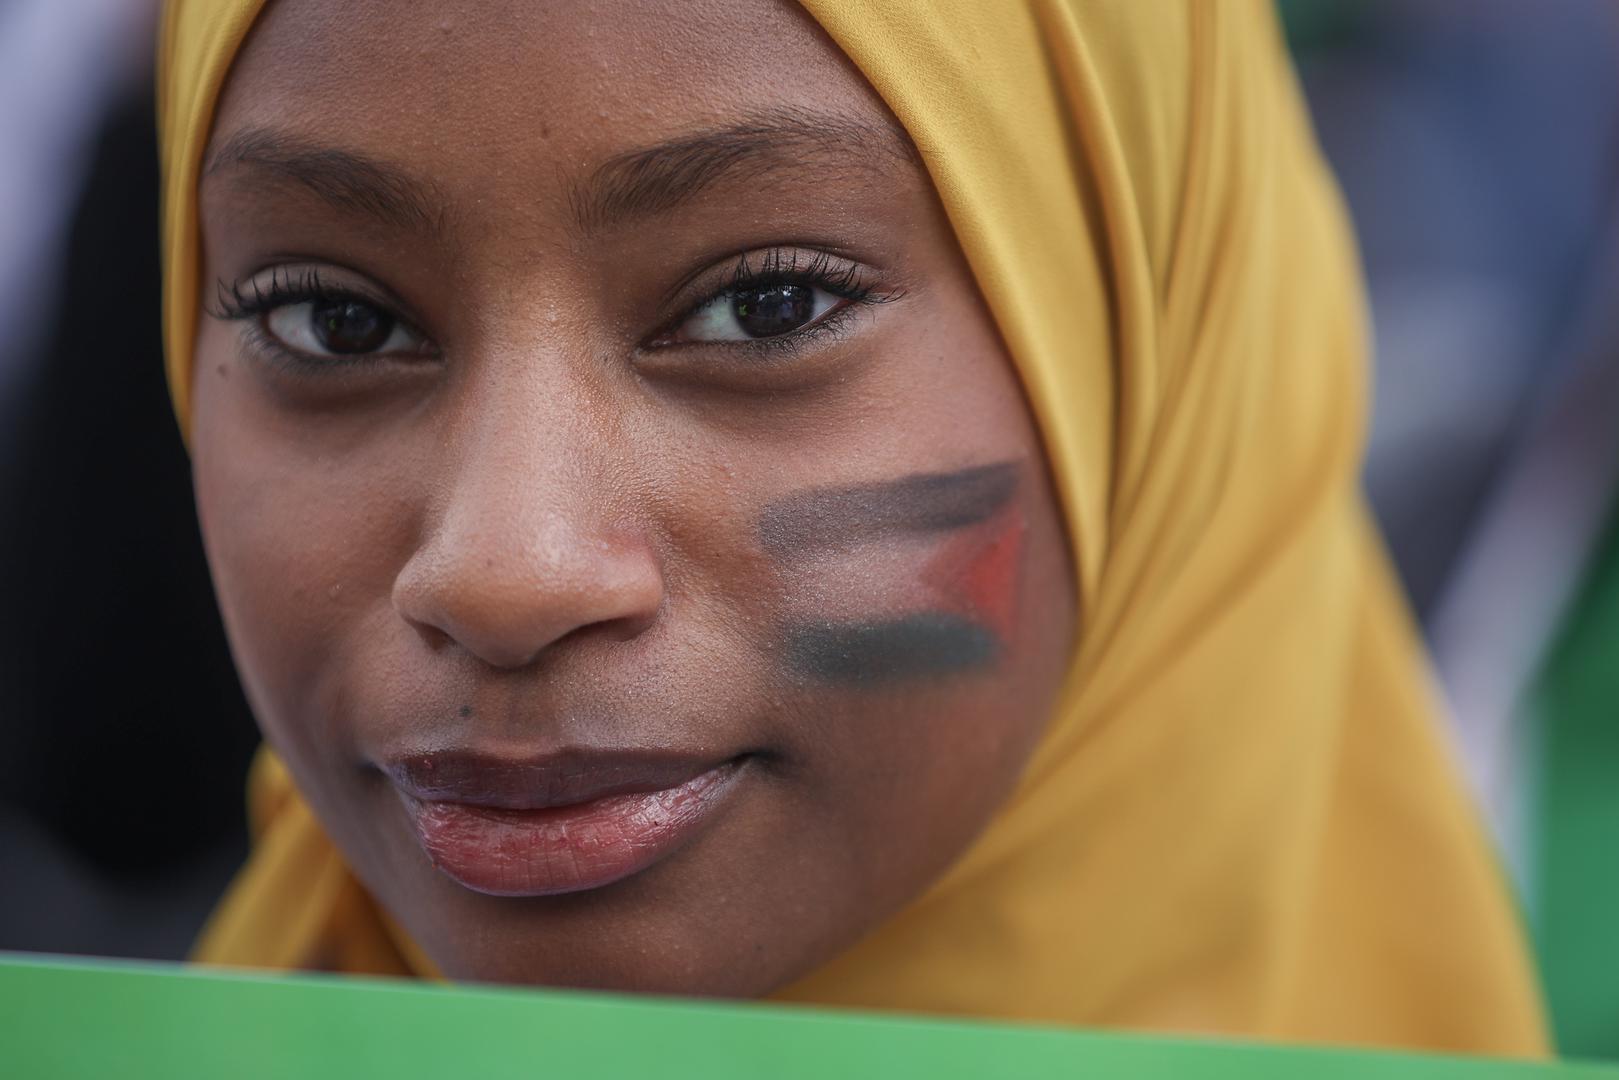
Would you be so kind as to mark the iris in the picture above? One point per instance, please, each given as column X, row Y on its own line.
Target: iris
column 768, row 310
column 346, row 326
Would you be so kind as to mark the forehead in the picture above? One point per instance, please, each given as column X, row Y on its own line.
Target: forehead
column 478, row 90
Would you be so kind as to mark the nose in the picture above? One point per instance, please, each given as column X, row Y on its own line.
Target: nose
column 507, row 578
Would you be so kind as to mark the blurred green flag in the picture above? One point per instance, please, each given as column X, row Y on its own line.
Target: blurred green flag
column 1574, row 847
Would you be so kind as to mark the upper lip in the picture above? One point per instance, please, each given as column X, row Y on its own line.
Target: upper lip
column 542, row 781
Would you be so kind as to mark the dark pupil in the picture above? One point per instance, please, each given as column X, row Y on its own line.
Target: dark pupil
column 344, row 326
column 773, row 309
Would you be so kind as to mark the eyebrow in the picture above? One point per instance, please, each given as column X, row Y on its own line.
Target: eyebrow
column 658, row 178
column 631, row 185
column 348, row 181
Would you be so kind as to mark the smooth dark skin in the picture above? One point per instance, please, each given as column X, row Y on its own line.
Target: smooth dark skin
column 542, row 529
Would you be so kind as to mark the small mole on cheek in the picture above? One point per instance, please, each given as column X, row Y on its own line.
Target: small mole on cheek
column 221, row 371
column 466, row 711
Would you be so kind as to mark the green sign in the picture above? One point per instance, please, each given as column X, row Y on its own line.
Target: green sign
column 61, row 1018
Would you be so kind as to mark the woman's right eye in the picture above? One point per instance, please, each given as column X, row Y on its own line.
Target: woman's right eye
column 339, row 327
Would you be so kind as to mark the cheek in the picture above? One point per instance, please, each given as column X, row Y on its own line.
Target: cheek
column 929, row 765
column 927, row 661
column 303, row 553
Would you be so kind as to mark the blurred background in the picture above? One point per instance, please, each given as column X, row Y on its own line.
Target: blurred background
column 1477, row 142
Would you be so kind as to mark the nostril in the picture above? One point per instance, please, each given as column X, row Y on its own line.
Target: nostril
column 507, row 601
column 434, row 638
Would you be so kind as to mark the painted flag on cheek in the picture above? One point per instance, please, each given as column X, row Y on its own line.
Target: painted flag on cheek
column 935, row 560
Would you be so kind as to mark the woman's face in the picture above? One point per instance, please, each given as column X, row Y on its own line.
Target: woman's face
column 628, row 522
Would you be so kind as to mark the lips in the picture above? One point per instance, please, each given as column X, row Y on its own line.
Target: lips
column 560, row 823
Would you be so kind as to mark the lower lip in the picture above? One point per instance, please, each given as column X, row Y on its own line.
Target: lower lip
column 565, row 849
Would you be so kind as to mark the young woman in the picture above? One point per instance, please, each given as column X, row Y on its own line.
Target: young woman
column 854, row 503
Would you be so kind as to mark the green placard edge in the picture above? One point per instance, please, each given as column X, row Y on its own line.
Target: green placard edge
column 62, row 1017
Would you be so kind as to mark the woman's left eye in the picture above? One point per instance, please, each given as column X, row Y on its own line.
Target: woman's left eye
column 339, row 327
column 750, row 312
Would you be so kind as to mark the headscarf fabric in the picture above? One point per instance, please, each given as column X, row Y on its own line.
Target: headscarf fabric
column 1243, row 817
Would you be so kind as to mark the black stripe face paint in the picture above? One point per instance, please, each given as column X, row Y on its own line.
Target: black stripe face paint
column 956, row 613
column 928, row 502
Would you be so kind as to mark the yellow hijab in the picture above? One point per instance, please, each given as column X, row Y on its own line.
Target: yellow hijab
column 1243, row 818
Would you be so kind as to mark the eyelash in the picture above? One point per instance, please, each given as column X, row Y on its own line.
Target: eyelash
column 785, row 266
column 237, row 302
column 252, row 300
column 234, row 301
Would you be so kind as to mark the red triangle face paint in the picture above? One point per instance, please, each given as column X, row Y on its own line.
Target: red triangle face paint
column 976, row 572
